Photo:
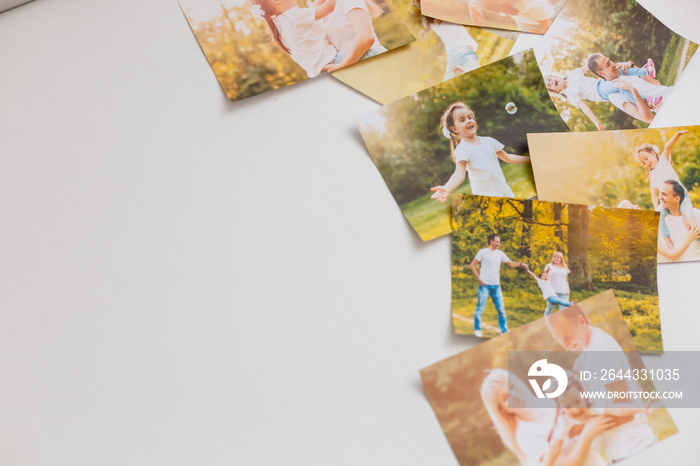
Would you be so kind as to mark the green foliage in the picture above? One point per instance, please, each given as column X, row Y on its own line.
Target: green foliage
column 620, row 29
column 243, row 56
column 621, row 255
column 412, row 154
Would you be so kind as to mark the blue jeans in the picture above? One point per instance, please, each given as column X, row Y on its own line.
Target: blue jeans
column 560, row 299
column 634, row 72
column 482, row 295
column 605, row 88
column 686, row 210
column 464, row 57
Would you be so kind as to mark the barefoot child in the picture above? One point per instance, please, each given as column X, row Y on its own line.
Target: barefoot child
column 548, row 290
column 297, row 31
column 576, row 88
column 659, row 170
column 474, row 154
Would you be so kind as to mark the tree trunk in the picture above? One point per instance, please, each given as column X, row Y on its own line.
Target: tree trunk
column 558, row 230
column 642, row 266
column 525, row 239
column 580, row 276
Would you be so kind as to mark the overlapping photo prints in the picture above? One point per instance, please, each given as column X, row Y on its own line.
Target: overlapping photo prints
column 515, row 261
column 442, row 51
column 468, row 134
column 610, row 64
column 533, row 16
column 654, row 169
column 471, row 396
column 255, row 46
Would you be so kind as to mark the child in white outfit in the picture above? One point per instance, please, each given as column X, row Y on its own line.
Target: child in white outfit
column 478, row 156
column 297, row 31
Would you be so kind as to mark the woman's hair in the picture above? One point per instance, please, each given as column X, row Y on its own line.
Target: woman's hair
column 447, row 121
column 374, row 9
column 560, row 255
column 269, row 19
column 650, row 149
column 493, row 386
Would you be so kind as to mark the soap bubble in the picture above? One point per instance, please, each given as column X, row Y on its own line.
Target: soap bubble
column 511, row 108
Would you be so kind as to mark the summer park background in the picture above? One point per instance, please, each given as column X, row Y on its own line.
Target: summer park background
column 621, row 30
column 605, row 249
column 242, row 55
column 406, row 143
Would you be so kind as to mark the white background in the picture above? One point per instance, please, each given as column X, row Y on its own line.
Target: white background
column 190, row 281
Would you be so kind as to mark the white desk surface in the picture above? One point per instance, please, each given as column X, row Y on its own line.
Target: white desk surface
column 191, row 281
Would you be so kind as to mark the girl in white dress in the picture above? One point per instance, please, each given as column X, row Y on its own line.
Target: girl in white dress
column 477, row 155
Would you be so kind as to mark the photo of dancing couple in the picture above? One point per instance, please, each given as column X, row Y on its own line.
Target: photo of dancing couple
column 466, row 135
column 533, row 16
column 610, row 64
column 515, row 261
column 255, row 46
column 650, row 169
column 490, row 416
column 442, row 50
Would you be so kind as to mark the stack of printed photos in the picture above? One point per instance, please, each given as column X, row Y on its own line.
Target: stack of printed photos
column 559, row 200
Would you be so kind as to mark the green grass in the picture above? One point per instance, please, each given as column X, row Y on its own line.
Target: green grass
column 431, row 219
column 524, row 304
column 668, row 73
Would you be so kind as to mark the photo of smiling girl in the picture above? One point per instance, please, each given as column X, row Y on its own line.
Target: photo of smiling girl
column 476, row 155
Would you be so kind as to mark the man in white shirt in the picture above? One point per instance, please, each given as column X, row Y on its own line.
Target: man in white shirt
column 686, row 248
column 608, row 70
column 489, row 278
column 571, row 328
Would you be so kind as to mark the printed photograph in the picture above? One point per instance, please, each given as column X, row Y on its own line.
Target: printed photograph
column 474, row 394
column 533, row 16
column 255, row 46
column 468, row 135
column 610, row 64
column 514, row 261
column 442, row 51
column 650, row 169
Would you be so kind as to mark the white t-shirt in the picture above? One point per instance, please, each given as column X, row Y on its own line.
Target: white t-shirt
column 339, row 30
column 490, row 261
column 678, row 234
column 533, row 11
column 546, row 287
column 628, row 438
column 454, row 35
column 306, row 39
column 644, row 88
column 559, row 278
column 531, row 437
column 580, row 88
column 485, row 174
column 662, row 172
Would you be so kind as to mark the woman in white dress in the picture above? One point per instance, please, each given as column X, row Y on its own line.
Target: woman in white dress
column 559, row 277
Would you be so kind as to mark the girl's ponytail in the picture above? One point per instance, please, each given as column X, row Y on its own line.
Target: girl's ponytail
column 447, row 121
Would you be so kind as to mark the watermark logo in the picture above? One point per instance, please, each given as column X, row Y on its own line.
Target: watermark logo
column 542, row 368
